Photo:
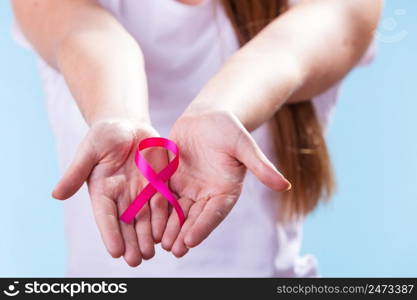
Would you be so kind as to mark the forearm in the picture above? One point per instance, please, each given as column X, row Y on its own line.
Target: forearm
column 100, row 61
column 298, row 56
column 106, row 76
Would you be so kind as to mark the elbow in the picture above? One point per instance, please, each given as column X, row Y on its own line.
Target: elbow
column 364, row 15
column 361, row 19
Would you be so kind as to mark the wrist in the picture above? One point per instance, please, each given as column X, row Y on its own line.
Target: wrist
column 252, row 90
column 201, row 108
column 129, row 128
column 216, row 118
column 134, row 120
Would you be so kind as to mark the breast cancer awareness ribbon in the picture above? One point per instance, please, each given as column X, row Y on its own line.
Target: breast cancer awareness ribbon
column 157, row 182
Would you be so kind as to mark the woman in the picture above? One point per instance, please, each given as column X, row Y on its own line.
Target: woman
column 213, row 71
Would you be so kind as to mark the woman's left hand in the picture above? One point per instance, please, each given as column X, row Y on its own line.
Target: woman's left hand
column 215, row 151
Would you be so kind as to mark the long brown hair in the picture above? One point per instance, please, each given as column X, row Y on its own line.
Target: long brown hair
column 300, row 145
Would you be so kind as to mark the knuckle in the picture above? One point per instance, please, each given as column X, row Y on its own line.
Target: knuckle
column 143, row 215
column 158, row 203
column 220, row 213
column 224, row 208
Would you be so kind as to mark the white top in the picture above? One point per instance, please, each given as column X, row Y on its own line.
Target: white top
column 183, row 46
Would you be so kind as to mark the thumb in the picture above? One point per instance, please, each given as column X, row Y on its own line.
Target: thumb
column 249, row 153
column 77, row 173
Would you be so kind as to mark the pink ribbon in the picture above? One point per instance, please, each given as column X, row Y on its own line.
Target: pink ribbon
column 156, row 181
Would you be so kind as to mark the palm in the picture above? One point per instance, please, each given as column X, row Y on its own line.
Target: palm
column 115, row 176
column 207, row 170
column 112, row 185
column 215, row 151
column 106, row 160
column 208, row 180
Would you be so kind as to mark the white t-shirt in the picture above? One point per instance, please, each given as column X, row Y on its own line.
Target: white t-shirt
column 183, row 46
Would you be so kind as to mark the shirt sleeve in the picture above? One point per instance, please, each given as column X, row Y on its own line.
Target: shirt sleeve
column 369, row 55
column 18, row 36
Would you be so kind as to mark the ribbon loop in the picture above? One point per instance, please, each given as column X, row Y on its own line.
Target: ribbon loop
column 157, row 182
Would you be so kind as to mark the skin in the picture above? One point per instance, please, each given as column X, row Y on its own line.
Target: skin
column 103, row 67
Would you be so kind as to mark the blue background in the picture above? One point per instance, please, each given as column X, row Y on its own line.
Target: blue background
column 368, row 229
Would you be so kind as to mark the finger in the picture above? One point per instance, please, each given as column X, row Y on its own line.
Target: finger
column 106, row 216
column 173, row 226
column 216, row 209
column 158, row 158
column 132, row 254
column 77, row 173
column 159, row 216
column 144, row 233
column 248, row 152
column 179, row 248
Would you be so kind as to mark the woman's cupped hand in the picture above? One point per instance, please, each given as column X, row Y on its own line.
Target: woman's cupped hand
column 105, row 160
column 216, row 150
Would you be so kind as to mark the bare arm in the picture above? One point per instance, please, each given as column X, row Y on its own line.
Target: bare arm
column 101, row 62
column 298, row 56
column 103, row 67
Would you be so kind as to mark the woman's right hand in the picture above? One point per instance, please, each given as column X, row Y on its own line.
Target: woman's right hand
column 105, row 160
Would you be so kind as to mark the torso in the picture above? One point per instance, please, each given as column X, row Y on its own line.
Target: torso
column 183, row 47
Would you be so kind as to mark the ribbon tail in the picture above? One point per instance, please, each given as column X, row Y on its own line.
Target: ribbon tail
column 179, row 211
column 163, row 189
